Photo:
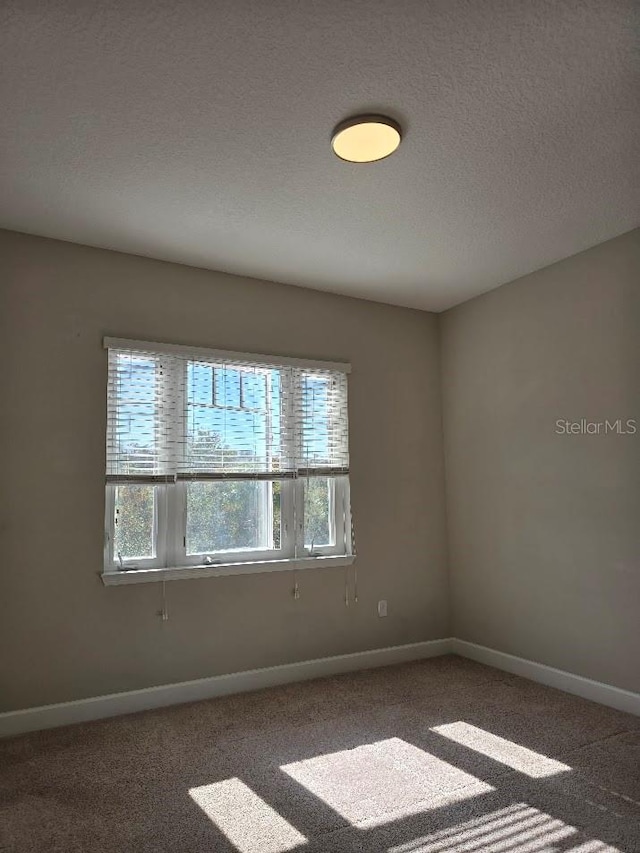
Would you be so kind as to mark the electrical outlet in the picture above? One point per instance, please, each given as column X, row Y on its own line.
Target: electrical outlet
column 382, row 608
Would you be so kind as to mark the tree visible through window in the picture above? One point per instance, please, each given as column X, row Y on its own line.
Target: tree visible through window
column 134, row 521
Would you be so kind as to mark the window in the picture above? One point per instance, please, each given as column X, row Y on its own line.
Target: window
column 223, row 459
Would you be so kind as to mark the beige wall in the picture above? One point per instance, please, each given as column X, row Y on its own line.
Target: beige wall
column 63, row 634
column 544, row 529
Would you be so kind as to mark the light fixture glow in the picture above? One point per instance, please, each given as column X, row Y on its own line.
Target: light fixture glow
column 364, row 139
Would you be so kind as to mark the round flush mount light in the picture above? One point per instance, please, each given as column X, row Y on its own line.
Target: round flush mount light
column 364, row 139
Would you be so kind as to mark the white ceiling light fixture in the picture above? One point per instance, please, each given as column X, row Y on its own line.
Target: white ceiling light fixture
column 366, row 138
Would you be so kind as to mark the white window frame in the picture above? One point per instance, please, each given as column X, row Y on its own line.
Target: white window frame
column 112, row 561
column 339, row 518
column 170, row 506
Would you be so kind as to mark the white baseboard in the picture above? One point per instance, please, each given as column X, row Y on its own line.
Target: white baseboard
column 98, row 707
column 596, row 691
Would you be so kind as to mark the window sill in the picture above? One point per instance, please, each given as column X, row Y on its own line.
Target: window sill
column 217, row 570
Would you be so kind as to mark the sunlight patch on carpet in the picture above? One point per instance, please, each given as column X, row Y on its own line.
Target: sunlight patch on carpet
column 499, row 749
column 244, row 817
column 517, row 829
column 368, row 782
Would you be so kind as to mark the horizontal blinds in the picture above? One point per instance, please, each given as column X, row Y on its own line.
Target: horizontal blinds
column 197, row 353
column 189, row 415
column 322, row 426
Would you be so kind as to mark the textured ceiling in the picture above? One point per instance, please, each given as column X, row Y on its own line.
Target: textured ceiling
column 198, row 131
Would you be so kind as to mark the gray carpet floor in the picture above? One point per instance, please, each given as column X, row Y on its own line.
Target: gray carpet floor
column 438, row 756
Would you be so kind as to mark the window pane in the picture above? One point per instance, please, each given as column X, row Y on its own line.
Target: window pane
column 227, row 387
column 233, row 419
column 254, row 391
column 318, row 506
column 315, row 419
column 134, row 422
column 134, row 528
column 232, row 515
column 277, row 513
